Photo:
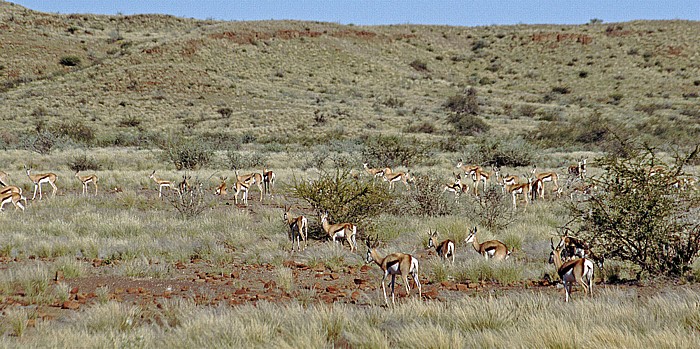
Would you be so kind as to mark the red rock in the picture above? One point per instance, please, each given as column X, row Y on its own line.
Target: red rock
column 331, row 289
column 365, row 268
column 473, row 285
column 71, row 305
column 355, row 295
column 448, row 284
column 74, row 290
column 462, row 287
column 358, row 281
column 132, row 290
column 334, row 276
column 431, row 293
column 241, row 291
column 270, row 284
column 96, row 262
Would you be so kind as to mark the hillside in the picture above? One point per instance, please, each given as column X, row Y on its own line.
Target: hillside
column 148, row 73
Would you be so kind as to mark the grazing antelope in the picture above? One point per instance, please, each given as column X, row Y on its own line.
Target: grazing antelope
column 523, row 189
column 468, row 169
column 480, row 175
column 578, row 270
column 241, row 187
column 403, row 177
column 14, row 198
column 85, row 180
column 38, row 179
column 3, row 178
column 250, row 179
column 578, row 170
column 492, row 249
column 298, row 228
column 546, row 177
column 268, row 181
column 221, row 188
column 340, row 230
column 445, row 249
column 161, row 183
column 393, row 264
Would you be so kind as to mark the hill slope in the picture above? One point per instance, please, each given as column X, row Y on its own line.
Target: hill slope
column 159, row 73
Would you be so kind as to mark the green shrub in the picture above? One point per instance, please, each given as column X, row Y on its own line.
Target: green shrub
column 463, row 103
column 425, row 199
column 419, row 65
column 187, row 153
column 511, row 152
column 83, row 162
column 492, row 209
column 394, row 151
column 70, row 61
column 75, row 130
column 635, row 217
column 343, row 197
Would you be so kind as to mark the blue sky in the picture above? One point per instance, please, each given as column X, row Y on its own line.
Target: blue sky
column 371, row 12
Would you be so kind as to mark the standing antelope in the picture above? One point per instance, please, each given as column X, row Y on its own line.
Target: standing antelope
column 455, row 187
column 161, row 183
column 578, row 170
column 250, row 179
column 479, row 175
column 545, row 177
column 489, row 249
column 241, row 187
column 403, row 177
column 468, row 169
column 340, row 230
column 578, row 270
column 523, row 189
column 393, row 264
column 14, row 198
column 221, row 189
column 268, row 181
column 38, row 179
column 85, row 180
column 184, row 185
column 376, row 172
column 298, row 227
column 445, row 249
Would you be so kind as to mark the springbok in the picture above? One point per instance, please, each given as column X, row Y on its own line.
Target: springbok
column 393, row 264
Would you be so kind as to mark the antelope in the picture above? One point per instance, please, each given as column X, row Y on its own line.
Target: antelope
column 455, row 187
column 221, row 189
column 493, row 249
column 578, row 170
column 85, row 180
column 10, row 189
column 38, row 179
column 445, row 249
column 578, row 270
column 184, row 185
column 546, row 177
column 241, row 187
column 393, row 264
column 376, row 172
column 252, row 178
column 403, row 177
column 161, row 183
column 523, row 189
column 340, row 230
column 3, row 178
column 298, row 227
column 480, row 175
column 509, row 180
column 14, row 198
column 573, row 247
column 468, row 169
column 268, row 181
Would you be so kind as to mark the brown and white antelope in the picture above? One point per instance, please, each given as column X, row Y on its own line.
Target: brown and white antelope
column 241, row 187
column 403, row 177
column 468, row 169
column 523, row 189
column 348, row 231
column 546, row 177
column 298, row 228
column 14, row 198
column 444, row 249
column 376, row 172
column 578, row 170
column 85, row 180
column 394, row 264
column 221, row 188
column 457, row 187
column 250, row 179
column 184, row 185
column 480, row 176
column 492, row 249
column 578, row 270
column 10, row 189
column 161, row 183
column 41, row 178
column 268, row 181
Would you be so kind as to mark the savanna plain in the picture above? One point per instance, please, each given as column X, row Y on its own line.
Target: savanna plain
column 202, row 100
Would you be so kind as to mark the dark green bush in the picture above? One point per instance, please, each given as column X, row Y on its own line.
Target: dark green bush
column 425, row 199
column 84, row 162
column 343, row 197
column 70, row 61
column 463, row 103
column 76, row 130
column 511, row 152
column 394, row 151
column 419, row 65
column 187, row 153
column 638, row 218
